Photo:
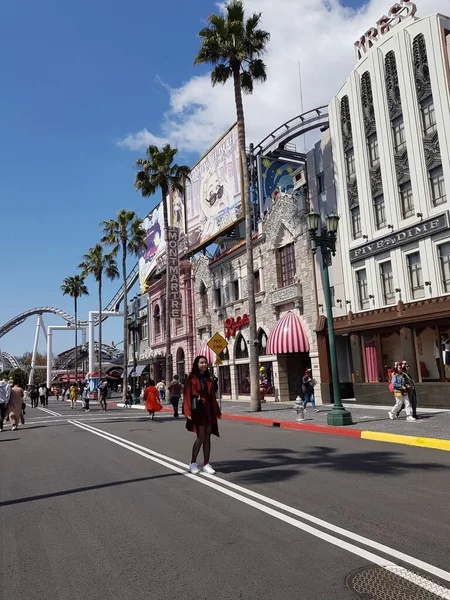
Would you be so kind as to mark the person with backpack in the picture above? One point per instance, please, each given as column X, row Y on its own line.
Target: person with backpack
column 411, row 389
column 175, row 393
column 308, row 384
column 399, row 386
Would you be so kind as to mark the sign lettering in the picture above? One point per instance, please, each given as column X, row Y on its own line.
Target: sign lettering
column 402, row 237
column 397, row 13
column 174, row 272
column 233, row 325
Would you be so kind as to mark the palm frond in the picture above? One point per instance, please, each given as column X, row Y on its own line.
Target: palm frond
column 246, row 82
column 221, row 74
column 258, row 70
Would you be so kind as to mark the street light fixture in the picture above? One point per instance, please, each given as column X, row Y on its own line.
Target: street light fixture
column 325, row 240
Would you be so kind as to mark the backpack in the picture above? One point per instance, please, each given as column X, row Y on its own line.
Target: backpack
column 391, row 387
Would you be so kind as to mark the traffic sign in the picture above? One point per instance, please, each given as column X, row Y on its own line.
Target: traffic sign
column 218, row 361
column 217, row 343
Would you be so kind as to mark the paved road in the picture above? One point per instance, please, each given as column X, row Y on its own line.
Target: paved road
column 100, row 506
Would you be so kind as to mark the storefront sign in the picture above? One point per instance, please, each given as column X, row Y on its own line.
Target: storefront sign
column 174, row 273
column 397, row 13
column 421, row 230
column 233, row 325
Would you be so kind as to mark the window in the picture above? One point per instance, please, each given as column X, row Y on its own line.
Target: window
column 217, row 297
column 398, row 130
column 415, row 275
column 387, row 282
column 144, row 328
column 406, row 200
column 286, row 271
column 157, row 321
column 379, row 212
column 235, row 290
column 374, row 153
column 437, row 184
column 444, row 259
column 428, row 116
column 320, row 183
column 257, row 279
column 350, row 163
column 356, row 222
column 361, row 283
column 203, row 299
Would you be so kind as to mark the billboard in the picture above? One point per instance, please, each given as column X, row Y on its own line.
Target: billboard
column 214, row 192
column 273, row 175
column 154, row 245
column 174, row 273
column 177, row 210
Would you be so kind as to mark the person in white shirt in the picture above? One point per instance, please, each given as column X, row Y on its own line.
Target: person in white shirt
column 5, row 394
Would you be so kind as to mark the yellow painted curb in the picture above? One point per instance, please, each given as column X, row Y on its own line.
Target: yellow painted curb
column 406, row 439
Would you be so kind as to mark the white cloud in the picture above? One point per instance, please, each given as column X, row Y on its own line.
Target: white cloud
column 317, row 33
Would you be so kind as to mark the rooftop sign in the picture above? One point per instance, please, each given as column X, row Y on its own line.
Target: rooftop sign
column 397, row 13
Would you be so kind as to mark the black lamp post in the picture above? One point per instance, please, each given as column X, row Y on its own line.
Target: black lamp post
column 325, row 239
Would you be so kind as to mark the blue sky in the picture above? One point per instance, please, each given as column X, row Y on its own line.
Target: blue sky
column 76, row 78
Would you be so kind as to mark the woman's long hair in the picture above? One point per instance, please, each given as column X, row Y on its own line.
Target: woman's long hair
column 195, row 369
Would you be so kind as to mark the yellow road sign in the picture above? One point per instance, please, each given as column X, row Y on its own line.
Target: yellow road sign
column 217, row 343
column 218, row 361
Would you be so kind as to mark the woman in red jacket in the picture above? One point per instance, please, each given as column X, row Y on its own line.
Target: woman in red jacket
column 151, row 399
column 202, row 412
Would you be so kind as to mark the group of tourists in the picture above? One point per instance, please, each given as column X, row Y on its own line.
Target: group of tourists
column 12, row 405
column 402, row 386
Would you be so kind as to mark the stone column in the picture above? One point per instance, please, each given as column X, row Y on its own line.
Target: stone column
column 234, row 383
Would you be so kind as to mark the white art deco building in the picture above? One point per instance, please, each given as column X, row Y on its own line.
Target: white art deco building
column 390, row 130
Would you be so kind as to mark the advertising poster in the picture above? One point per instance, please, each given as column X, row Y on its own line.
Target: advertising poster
column 177, row 210
column 154, row 245
column 214, row 193
column 273, row 175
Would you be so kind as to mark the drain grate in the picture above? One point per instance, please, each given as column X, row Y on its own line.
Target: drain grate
column 377, row 583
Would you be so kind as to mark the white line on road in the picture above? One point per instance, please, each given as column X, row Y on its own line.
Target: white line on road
column 50, row 412
column 218, row 484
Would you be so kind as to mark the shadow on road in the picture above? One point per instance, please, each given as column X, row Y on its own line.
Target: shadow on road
column 280, row 464
column 84, row 489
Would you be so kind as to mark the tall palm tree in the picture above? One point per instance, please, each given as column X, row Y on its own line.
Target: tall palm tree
column 96, row 263
column 128, row 235
column 234, row 46
column 74, row 286
column 156, row 171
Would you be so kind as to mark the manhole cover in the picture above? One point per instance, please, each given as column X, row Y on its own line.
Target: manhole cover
column 378, row 583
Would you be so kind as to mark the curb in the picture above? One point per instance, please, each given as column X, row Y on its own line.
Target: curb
column 375, row 436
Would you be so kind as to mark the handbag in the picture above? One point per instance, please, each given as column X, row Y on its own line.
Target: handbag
column 195, row 403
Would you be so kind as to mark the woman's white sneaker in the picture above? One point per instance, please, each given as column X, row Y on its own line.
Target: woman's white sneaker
column 193, row 468
column 208, row 469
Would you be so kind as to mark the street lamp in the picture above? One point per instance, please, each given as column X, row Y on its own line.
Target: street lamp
column 325, row 239
column 133, row 326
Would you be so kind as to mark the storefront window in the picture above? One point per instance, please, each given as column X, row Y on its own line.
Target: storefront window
column 415, row 275
column 370, row 359
column 391, row 349
column 243, row 376
column 225, row 380
column 444, row 259
column 262, row 342
column 430, row 357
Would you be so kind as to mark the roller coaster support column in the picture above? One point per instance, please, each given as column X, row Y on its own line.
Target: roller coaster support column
column 40, row 325
column 91, row 325
column 50, row 330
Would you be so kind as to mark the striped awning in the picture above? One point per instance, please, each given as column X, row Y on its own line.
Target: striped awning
column 205, row 350
column 287, row 336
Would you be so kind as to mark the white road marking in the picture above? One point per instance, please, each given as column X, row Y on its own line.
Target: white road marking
column 50, row 412
column 218, row 484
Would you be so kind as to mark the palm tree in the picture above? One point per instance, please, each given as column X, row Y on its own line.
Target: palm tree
column 96, row 263
column 74, row 286
column 126, row 234
column 156, row 171
column 234, row 45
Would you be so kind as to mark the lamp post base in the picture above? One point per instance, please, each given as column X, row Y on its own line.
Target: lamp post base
column 339, row 417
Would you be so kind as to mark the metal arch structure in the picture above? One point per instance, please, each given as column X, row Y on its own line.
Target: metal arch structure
column 108, row 353
column 275, row 143
column 12, row 360
column 113, row 305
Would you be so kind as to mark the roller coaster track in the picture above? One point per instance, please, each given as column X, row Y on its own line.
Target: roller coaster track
column 11, row 359
column 113, row 305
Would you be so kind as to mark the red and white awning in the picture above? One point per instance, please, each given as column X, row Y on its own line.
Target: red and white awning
column 205, row 350
column 288, row 336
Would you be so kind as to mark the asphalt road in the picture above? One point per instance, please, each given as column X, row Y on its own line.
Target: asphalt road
column 100, row 506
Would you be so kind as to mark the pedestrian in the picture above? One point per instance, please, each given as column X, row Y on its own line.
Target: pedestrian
column 161, row 387
column 175, row 393
column 128, row 398
column 86, row 397
column 103, row 389
column 73, row 396
column 5, row 394
column 34, row 395
column 308, row 384
column 151, row 397
column 202, row 412
column 42, row 393
column 400, row 390
column 410, row 388
column 15, row 406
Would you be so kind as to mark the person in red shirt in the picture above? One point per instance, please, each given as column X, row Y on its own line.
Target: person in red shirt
column 202, row 412
column 151, row 399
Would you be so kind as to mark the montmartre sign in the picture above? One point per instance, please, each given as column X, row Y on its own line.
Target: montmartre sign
column 421, row 230
column 397, row 13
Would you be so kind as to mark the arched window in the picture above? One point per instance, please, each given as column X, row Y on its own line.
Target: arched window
column 157, row 320
column 203, row 299
column 181, row 369
column 241, row 347
column 262, row 342
column 224, row 355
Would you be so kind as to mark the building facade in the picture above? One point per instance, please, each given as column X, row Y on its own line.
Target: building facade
column 285, row 305
column 390, row 126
